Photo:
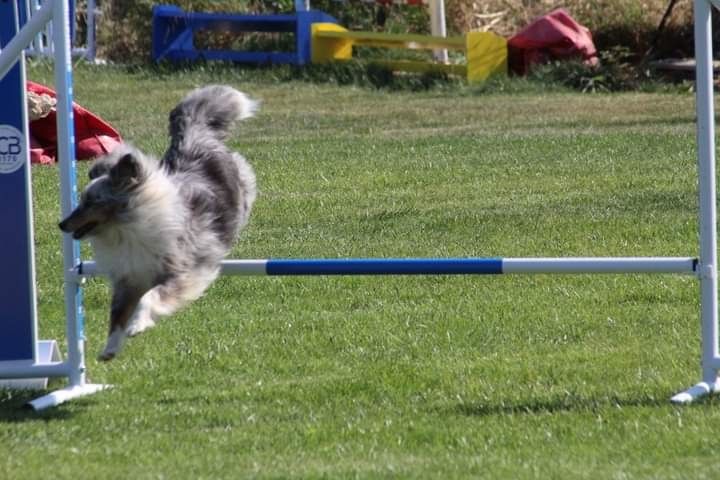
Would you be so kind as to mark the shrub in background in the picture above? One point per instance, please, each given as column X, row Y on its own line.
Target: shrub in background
column 125, row 27
column 614, row 73
column 125, row 35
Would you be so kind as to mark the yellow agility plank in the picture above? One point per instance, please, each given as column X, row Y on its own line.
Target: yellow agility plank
column 486, row 52
column 389, row 40
column 487, row 55
column 327, row 49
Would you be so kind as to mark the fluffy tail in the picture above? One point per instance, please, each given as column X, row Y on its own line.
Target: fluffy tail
column 207, row 113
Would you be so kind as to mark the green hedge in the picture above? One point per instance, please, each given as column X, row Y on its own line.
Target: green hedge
column 125, row 28
column 125, row 32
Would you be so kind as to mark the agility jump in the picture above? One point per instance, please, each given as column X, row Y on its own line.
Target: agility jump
column 20, row 351
column 704, row 267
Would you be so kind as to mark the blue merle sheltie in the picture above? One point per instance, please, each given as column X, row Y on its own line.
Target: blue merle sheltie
column 160, row 228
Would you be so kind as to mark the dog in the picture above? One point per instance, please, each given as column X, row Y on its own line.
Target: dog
column 160, row 228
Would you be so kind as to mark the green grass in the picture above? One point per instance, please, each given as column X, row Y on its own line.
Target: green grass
column 429, row 377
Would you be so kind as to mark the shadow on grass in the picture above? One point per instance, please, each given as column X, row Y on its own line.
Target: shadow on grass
column 565, row 404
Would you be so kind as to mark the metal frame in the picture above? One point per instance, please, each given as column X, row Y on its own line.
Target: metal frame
column 704, row 267
column 74, row 367
column 438, row 27
column 42, row 43
column 707, row 267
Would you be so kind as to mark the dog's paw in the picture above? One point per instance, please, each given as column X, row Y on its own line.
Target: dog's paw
column 106, row 356
column 114, row 345
column 137, row 327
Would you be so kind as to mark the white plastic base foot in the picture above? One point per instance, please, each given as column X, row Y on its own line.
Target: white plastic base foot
column 68, row 393
column 694, row 393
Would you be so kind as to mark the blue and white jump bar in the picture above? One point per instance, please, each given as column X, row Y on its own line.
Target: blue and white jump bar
column 447, row 266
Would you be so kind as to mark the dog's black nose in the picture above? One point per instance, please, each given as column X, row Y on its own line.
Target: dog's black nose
column 63, row 225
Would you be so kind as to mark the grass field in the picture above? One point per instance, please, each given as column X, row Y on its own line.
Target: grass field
column 402, row 377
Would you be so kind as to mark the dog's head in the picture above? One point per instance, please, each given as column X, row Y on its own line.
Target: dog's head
column 113, row 180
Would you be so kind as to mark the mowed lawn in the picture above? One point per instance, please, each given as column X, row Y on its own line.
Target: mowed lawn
column 401, row 377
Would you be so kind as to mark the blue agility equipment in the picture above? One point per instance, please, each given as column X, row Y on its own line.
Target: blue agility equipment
column 25, row 361
column 17, row 291
column 173, row 32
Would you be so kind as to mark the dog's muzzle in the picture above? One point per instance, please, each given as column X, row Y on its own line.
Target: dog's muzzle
column 77, row 225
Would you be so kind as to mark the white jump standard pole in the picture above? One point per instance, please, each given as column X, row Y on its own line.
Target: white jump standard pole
column 707, row 267
column 68, row 190
column 11, row 52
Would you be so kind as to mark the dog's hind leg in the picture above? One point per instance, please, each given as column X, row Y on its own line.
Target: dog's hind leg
column 124, row 302
column 167, row 298
column 143, row 319
column 180, row 290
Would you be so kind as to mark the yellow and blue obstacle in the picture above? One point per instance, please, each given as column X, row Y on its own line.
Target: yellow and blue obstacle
column 486, row 52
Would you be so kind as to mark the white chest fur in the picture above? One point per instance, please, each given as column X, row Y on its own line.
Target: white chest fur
column 137, row 248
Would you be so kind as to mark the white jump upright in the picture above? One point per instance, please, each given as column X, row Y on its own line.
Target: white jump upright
column 21, row 355
column 707, row 262
column 42, row 43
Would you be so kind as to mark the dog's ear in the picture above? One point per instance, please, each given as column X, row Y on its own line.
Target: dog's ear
column 100, row 167
column 126, row 172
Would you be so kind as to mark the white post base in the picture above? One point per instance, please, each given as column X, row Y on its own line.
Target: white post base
column 68, row 393
column 696, row 392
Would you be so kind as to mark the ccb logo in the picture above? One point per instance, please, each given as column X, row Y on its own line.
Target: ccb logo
column 12, row 144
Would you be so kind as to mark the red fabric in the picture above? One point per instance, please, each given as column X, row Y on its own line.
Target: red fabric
column 93, row 136
column 553, row 36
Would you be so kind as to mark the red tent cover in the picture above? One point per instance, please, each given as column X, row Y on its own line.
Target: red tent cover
column 553, row 36
column 93, row 136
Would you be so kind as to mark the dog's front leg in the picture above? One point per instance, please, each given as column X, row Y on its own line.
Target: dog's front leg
column 124, row 301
